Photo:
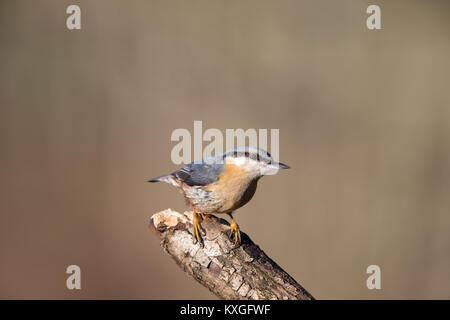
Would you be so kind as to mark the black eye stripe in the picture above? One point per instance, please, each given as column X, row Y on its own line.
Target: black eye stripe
column 250, row 154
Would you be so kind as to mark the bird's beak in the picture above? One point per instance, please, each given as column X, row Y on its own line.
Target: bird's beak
column 281, row 165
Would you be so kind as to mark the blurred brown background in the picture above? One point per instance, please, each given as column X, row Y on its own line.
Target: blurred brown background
column 86, row 118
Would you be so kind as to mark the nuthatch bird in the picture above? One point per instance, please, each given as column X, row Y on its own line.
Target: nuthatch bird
column 222, row 183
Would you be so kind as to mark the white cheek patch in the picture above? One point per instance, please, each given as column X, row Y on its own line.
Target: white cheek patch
column 241, row 161
column 244, row 163
column 269, row 170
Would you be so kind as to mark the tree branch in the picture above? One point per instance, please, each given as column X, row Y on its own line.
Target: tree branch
column 244, row 272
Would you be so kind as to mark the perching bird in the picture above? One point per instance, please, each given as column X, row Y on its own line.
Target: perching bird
column 222, row 183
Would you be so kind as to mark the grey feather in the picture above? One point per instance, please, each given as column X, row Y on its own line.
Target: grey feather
column 199, row 173
column 157, row 179
column 207, row 170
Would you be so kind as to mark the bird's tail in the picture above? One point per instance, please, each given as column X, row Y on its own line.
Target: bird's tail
column 167, row 179
column 158, row 179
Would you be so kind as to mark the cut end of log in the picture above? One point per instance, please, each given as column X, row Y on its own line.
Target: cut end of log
column 230, row 272
column 168, row 219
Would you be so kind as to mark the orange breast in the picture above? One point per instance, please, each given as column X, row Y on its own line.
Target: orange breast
column 234, row 188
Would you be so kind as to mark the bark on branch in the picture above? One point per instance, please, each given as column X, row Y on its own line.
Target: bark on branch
column 245, row 272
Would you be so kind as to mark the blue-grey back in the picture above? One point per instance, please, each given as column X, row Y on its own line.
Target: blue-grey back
column 199, row 173
column 207, row 170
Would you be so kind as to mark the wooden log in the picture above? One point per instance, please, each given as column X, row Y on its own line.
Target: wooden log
column 230, row 272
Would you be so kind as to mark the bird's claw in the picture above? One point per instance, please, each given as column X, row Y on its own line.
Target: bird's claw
column 197, row 231
column 235, row 233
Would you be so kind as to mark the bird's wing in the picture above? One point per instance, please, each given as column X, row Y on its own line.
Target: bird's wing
column 199, row 173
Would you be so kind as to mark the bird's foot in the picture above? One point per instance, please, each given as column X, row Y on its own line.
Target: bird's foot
column 197, row 230
column 235, row 233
